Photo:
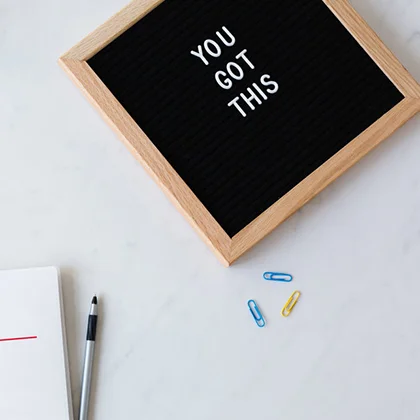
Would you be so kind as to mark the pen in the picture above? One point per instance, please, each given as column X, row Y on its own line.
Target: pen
column 88, row 364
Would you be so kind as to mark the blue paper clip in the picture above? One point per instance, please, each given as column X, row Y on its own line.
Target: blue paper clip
column 277, row 277
column 256, row 313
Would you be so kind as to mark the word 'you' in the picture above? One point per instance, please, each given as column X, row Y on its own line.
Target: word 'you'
column 235, row 70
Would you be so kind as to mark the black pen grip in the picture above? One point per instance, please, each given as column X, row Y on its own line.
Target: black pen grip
column 91, row 330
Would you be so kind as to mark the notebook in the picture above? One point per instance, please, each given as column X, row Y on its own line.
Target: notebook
column 34, row 374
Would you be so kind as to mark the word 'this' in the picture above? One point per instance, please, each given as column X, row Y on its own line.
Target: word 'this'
column 235, row 71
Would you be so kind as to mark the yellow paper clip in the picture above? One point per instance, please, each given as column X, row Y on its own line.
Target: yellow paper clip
column 290, row 304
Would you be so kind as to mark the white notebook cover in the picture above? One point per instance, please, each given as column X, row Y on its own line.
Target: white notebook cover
column 34, row 374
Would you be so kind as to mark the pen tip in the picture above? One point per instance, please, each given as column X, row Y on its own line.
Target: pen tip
column 94, row 300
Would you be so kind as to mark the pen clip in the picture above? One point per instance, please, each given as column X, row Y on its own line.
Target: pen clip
column 268, row 275
column 256, row 313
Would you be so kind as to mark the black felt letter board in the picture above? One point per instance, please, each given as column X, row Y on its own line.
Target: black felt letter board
column 189, row 71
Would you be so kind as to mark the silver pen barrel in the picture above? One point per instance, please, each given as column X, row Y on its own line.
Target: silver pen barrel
column 88, row 363
column 86, row 380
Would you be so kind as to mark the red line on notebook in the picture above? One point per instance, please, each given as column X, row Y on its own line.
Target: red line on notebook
column 32, row 337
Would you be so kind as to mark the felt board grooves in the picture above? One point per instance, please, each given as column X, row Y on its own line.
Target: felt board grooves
column 229, row 248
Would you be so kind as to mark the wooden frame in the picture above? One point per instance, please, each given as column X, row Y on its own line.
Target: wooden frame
column 229, row 249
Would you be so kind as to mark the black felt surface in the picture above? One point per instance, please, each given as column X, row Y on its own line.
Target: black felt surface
column 329, row 92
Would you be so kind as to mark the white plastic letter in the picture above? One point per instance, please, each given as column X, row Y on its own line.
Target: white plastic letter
column 235, row 102
column 200, row 54
column 245, row 58
column 264, row 82
column 222, row 38
column 226, row 84
column 213, row 53
column 258, row 89
column 240, row 73
column 253, row 97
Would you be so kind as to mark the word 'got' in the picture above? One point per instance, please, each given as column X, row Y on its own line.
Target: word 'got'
column 234, row 71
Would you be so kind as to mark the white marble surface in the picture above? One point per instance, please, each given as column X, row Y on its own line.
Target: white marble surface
column 176, row 339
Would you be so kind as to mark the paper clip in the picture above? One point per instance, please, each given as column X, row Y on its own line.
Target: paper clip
column 256, row 313
column 291, row 302
column 268, row 275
